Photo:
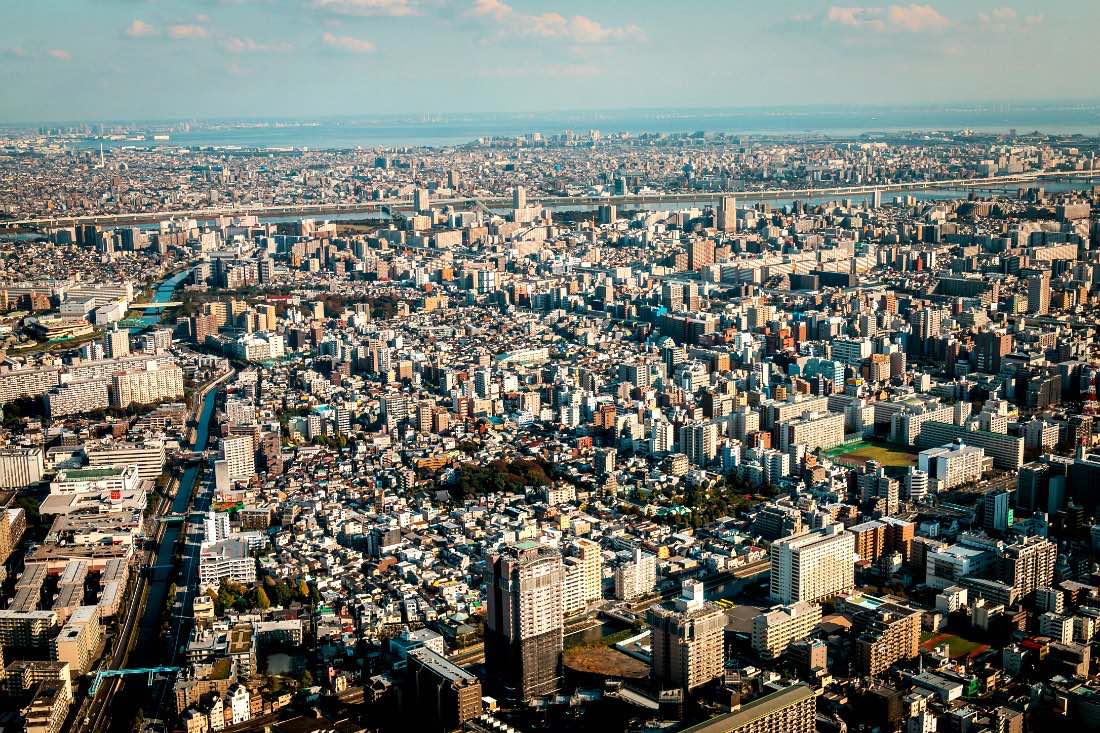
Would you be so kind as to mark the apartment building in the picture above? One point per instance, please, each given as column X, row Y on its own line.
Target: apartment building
column 228, row 558
column 952, row 465
column 583, row 576
column 155, row 384
column 813, row 566
column 80, row 641
column 790, row 710
column 149, row 456
column 813, row 430
column 74, row 398
column 20, row 466
column 775, row 629
column 890, row 633
column 687, row 640
column 636, row 578
column 239, row 454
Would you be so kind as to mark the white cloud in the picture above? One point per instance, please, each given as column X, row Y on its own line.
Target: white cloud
column 495, row 9
column 236, row 44
column 367, row 7
column 348, row 44
column 139, row 29
column 60, row 54
column 912, row 18
column 916, row 18
column 578, row 29
column 1005, row 19
column 182, row 31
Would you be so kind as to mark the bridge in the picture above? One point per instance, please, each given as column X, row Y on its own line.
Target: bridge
column 165, row 304
column 404, row 203
column 103, row 674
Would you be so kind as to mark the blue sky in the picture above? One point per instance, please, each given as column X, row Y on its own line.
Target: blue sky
column 172, row 59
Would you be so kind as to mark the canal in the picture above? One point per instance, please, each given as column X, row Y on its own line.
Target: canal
column 150, row 648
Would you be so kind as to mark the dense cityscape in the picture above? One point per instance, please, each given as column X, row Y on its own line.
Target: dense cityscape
column 630, row 428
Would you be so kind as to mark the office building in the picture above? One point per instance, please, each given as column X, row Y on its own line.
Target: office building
column 726, row 215
column 1038, row 292
column 813, row 566
column 524, row 620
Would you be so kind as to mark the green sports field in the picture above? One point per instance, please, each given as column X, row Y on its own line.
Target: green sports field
column 858, row 453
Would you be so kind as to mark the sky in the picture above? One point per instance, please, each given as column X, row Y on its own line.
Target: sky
column 66, row 60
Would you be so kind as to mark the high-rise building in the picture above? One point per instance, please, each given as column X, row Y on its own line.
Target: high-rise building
column 519, row 197
column 583, row 576
column 1038, row 292
column 813, row 566
column 636, row 578
column 687, row 640
column 990, row 346
column 116, row 343
column 215, row 526
column 523, row 625
column 239, row 453
column 1029, row 564
column 421, row 200
column 726, row 214
column 699, row 441
column 996, row 512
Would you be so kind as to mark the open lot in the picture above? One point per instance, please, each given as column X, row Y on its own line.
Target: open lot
column 604, row 660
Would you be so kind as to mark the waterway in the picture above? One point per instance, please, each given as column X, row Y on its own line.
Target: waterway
column 151, row 648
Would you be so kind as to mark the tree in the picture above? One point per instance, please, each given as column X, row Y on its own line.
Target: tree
column 262, row 601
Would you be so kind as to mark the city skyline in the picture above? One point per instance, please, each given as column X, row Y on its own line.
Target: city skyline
column 149, row 60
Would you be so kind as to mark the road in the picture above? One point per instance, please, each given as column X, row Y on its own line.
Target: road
column 404, row 203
